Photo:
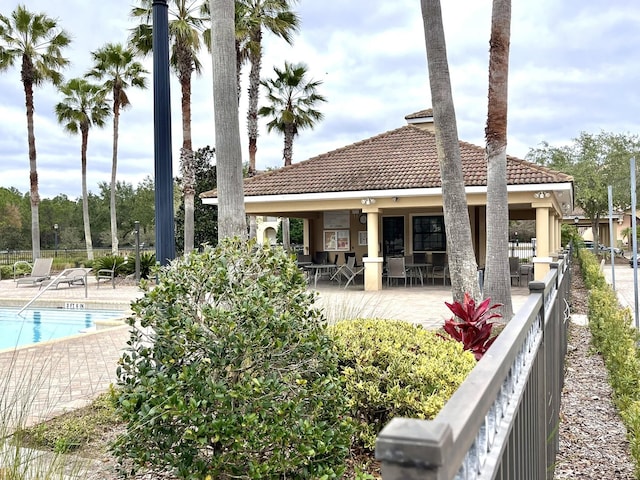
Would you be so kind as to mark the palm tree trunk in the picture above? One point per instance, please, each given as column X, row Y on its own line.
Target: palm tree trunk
column 462, row 262
column 254, row 94
column 287, row 151
column 231, row 212
column 33, row 171
column 85, row 197
column 497, row 278
column 186, row 159
column 114, row 168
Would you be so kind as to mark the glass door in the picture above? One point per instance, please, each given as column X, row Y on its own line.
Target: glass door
column 393, row 236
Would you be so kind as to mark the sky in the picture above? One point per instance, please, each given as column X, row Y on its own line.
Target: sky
column 573, row 68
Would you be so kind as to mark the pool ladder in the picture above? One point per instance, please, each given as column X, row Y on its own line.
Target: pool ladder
column 52, row 282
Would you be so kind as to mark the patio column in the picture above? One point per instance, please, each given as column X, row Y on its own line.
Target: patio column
column 372, row 262
column 306, row 237
column 542, row 260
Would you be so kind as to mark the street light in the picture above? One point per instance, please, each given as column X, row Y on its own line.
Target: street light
column 55, row 231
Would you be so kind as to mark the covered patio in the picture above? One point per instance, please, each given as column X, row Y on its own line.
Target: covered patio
column 382, row 197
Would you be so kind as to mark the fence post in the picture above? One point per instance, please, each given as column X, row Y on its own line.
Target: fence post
column 412, row 449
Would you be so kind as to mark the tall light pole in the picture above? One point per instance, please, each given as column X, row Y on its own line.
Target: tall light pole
column 165, row 236
column 55, row 232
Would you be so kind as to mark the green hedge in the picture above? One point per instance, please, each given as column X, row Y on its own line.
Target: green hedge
column 616, row 339
column 393, row 368
column 241, row 379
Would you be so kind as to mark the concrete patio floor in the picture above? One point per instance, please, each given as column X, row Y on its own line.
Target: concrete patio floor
column 43, row 380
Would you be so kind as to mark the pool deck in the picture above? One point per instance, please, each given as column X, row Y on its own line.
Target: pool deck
column 44, row 380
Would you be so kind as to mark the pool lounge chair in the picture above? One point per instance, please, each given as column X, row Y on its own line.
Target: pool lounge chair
column 40, row 272
column 70, row 276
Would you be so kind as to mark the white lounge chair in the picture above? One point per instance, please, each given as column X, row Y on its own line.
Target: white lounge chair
column 40, row 271
column 70, row 276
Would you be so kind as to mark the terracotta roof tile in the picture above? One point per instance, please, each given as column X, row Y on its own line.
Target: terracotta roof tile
column 404, row 158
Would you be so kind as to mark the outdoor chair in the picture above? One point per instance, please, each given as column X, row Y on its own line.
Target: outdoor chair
column 349, row 270
column 303, row 259
column 70, row 276
column 514, row 269
column 107, row 275
column 396, row 269
column 321, row 258
column 40, row 271
column 440, row 267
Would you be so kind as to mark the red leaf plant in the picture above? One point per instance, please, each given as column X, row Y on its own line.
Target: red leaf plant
column 473, row 328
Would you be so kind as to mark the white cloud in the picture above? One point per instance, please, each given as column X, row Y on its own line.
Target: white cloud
column 572, row 70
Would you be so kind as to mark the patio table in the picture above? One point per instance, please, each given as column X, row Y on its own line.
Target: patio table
column 320, row 269
column 417, row 268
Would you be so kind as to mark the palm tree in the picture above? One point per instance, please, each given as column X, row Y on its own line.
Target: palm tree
column 276, row 17
column 292, row 98
column 119, row 69
column 187, row 22
column 34, row 40
column 462, row 262
column 497, row 285
column 84, row 105
column 231, row 212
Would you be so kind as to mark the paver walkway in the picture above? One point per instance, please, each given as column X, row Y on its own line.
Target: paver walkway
column 46, row 379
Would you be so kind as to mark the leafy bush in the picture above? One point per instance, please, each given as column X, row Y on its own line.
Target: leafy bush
column 615, row 338
column 108, row 262
column 6, row 271
column 392, row 368
column 473, row 329
column 147, row 264
column 590, row 270
column 236, row 376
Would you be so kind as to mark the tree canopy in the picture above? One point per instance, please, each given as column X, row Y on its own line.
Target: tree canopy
column 595, row 161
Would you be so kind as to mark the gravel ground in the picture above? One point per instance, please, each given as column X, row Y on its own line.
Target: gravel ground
column 593, row 442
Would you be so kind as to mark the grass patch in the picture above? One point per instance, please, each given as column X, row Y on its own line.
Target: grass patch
column 79, row 430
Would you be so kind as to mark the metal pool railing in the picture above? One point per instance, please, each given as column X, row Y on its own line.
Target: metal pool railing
column 502, row 422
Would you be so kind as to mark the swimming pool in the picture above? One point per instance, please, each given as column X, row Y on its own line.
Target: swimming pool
column 33, row 326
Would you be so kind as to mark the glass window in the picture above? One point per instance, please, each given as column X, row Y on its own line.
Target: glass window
column 429, row 234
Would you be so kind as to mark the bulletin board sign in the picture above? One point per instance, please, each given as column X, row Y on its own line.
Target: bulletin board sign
column 337, row 219
column 336, row 240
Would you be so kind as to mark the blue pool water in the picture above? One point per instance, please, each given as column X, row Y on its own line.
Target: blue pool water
column 33, row 326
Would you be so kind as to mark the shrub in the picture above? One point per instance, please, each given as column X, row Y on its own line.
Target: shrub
column 108, row 262
column 473, row 328
column 147, row 264
column 392, row 368
column 236, row 376
column 615, row 338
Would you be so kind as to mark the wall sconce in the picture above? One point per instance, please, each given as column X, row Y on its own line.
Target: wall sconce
column 541, row 195
column 368, row 201
column 620, row 220
column 395, row 199
column 576, row 220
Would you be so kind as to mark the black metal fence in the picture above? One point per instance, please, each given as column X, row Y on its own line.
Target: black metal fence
column 69, row 255
column 502, row 422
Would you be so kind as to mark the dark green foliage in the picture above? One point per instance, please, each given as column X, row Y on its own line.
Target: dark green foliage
column 205, row 227
column 392, row 369
column 616, row 339
column 296, row 231
column 147, row 263
column 109, row 261
column 239, row 378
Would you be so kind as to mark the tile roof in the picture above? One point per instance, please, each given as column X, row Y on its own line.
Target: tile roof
column 404, row 158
